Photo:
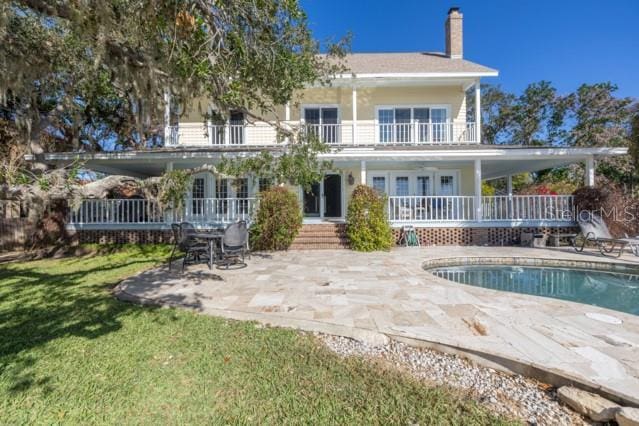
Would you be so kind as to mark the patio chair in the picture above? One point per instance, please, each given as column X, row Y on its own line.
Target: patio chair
column 234, row 244
column 594, row 230
column 193, row 249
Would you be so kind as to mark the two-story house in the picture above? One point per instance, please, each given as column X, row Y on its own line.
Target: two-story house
column 397, row 122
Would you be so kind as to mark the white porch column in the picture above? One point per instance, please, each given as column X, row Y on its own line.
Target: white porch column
column 287, row 118
column 363, row 172
column 590, row 171
column 478, row 111
column 478, row 206
column 169, row 215
column 167, row 117
column 354, row 115
column 509, row 185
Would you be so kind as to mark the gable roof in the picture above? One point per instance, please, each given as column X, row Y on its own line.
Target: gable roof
column 411, row 63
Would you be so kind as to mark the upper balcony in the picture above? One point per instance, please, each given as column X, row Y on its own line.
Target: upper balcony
column 344, row 134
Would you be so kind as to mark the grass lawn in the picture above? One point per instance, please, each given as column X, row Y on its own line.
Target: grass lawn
column 71, row 353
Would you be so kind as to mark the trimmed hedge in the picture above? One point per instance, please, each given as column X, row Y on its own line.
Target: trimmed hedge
column 278, row 220
column 367, row 226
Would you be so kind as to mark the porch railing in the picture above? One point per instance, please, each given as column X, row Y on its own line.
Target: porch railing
column 216, row 210
column 515, row 208
column 528, row 207
column 124, row 211
column 430, row 208
column 142, row 212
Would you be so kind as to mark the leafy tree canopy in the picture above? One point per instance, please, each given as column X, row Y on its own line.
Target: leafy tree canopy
column 93, row 75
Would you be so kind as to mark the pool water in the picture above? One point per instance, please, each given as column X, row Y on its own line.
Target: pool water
column 618, row 291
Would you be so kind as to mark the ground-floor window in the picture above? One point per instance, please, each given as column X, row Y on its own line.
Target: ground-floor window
column 197, row 195
column 379, row 184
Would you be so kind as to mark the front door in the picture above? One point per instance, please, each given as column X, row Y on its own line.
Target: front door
column 332, row 196
column 312, row 201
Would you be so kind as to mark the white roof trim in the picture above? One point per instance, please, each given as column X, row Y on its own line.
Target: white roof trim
column 420, row 75
column 361, row 153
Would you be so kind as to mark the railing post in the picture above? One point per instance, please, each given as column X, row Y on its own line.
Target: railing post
column 354, row 115
column 478, row 206
column 478, row 111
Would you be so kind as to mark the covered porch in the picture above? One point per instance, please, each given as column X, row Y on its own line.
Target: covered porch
column 425, row 188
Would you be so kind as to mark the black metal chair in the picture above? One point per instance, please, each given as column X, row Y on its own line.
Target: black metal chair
column 234, row 245
column 194, row 250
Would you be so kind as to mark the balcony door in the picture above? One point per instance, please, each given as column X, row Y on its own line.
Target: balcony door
column 323, row 123
column 411, row 124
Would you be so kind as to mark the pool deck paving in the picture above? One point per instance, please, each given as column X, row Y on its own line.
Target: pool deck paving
column 374, row 296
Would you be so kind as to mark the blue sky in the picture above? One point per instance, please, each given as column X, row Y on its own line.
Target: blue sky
column 567, row 42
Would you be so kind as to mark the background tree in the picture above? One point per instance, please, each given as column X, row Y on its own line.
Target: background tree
column 590, row 117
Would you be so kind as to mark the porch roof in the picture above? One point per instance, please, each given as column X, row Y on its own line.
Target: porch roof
column 497, row 161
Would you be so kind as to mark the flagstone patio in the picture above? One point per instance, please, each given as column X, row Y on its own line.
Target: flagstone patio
column 374, row 296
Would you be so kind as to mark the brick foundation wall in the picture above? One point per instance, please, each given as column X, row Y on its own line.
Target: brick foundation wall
column 427, row 236
column 479, row 236
column 128, row 236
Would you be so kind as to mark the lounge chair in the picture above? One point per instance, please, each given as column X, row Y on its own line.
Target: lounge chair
column 634, row 244
column 234, row 244
column 594, row 230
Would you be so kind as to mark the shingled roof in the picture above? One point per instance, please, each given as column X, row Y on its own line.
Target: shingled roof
column 410, row 62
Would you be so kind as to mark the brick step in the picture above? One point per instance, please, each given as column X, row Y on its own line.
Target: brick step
column 317, row 246
column 323, row 227
column 321, row 234
column 320, row 240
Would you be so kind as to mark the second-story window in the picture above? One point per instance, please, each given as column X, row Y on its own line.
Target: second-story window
column 322, row 122
column 236, row 128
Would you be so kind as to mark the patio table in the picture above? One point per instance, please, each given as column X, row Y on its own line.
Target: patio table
column 211, row 237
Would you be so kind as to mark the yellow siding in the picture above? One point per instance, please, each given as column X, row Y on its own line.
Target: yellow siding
column 367, row 100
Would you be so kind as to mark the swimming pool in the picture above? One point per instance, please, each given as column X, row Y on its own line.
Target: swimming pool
column 613, row 290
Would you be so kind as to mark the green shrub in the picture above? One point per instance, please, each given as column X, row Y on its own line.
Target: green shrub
column 367, row 227
column 278, row 219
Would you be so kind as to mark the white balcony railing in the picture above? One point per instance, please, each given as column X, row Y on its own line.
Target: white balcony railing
column 516, row 208
column 362, row 133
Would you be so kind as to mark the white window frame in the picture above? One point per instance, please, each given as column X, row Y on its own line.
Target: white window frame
column 454, row 173
column 371, row 174
column 304, row 107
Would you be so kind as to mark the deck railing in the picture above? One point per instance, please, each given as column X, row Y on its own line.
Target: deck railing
column 216, row 210
column 430, row 208
column 123, row 211
column 528, row 207
column 143, row 212
column 515, row 208
column 401, row 210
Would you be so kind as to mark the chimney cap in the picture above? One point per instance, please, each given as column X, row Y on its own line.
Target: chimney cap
column 453, row 9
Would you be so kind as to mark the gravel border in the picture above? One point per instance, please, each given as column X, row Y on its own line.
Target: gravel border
column 514, row 396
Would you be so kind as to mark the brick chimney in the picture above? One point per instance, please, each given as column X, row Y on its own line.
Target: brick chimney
column 454, row 34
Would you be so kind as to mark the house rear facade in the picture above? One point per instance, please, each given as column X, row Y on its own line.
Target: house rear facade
column 402, row 123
